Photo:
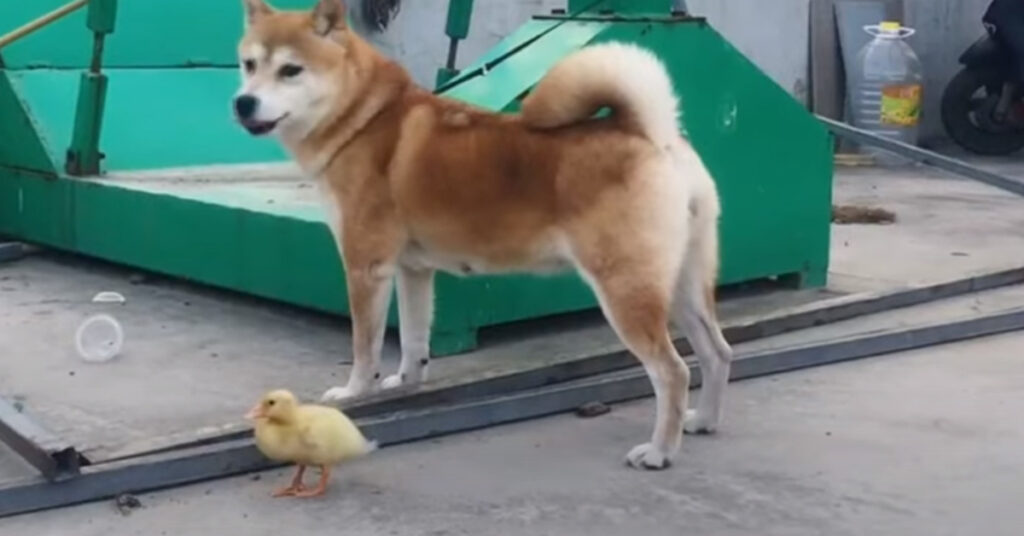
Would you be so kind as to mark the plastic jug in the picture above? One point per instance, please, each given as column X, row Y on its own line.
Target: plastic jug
column 886, row 89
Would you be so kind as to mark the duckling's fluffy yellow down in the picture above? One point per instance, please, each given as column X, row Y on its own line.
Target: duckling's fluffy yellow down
column 305, row 434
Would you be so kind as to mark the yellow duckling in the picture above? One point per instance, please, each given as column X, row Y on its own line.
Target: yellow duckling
column 305, row 434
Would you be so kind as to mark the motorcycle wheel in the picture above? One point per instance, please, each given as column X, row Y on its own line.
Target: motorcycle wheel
column 971, row 93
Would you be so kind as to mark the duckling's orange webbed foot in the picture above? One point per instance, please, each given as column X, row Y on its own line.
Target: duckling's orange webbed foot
column 315, row 492
column 321, row 487
column 296, row 486
column 289, row 491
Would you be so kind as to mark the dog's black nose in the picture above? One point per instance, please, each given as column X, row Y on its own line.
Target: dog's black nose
column 245, row 106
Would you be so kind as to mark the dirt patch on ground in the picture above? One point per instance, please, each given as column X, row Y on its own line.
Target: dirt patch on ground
column 849, row 214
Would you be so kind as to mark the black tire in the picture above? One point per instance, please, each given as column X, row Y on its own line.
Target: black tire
column 956, row 115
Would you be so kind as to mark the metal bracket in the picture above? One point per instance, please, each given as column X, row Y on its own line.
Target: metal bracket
column 84, row 156
column 54, row 458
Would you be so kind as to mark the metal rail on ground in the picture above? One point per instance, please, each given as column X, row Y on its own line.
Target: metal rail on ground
column 239, row 456
column 917, row 154
column 54, row 458
column 11, row 251
column 566, row 368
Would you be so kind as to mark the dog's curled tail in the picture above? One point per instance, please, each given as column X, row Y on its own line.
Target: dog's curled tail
column 629, row 80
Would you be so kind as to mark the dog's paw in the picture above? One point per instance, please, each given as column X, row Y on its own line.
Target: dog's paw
column 392, row 381
column 404, row 379
column 338, row 394
column 698, row 424
column 648, row 457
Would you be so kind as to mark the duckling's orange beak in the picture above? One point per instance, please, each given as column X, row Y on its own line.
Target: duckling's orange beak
column 256, row 412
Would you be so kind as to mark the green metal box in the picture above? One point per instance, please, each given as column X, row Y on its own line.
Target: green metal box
column 167, row 108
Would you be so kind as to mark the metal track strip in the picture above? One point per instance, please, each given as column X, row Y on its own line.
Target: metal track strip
column 925, row 156
column 11, row 251
column 240, row 456
column 510, row 380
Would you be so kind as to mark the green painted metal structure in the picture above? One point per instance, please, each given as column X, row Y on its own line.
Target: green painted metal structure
column 167, row 108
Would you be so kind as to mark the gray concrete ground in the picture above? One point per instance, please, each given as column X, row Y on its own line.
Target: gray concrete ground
column 921, row 443
column 194, row 359
column 944, row 226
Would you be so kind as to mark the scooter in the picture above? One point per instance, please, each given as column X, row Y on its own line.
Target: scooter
column 983, row 105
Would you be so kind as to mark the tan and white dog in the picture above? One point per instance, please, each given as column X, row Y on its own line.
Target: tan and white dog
column 417, row 183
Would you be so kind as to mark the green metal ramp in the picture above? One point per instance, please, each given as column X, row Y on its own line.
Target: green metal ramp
column 185, row 192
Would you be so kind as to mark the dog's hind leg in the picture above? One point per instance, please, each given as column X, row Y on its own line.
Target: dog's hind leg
column 415, row 314
column 639, row 314
column 635, row 293
column 694, row 310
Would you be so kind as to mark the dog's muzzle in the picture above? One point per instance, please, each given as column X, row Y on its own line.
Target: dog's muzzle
column 245, row 109
column 259, row 128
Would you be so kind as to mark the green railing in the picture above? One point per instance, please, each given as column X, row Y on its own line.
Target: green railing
column 457, row 28
column 83, row 156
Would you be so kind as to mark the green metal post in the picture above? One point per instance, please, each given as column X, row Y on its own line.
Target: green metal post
column 84, row 155
column 459, row 14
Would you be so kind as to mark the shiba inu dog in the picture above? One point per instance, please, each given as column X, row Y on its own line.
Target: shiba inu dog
column 416, row 183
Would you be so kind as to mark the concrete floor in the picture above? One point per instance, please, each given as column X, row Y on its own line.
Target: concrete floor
column 945, row 228
column 195, row 360
column 921, row 443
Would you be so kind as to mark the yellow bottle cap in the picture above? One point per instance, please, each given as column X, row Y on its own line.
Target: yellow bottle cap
column 890, row 26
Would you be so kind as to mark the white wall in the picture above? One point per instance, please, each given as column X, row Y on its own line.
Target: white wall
column 417, row 39
column 775, row 38
column 772, row 33
column 944, row 29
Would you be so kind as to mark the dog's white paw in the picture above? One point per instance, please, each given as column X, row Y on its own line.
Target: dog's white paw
column 696, row 423
column 392, row 381
column 649, row 457
column 338, row 394
column 417, row 376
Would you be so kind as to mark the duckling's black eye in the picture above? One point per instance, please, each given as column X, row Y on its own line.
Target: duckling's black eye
column 270, row 402
column 249, row 65
column 289, row 70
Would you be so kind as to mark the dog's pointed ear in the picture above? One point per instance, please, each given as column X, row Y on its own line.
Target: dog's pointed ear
column 255, row 9
column 328, row 16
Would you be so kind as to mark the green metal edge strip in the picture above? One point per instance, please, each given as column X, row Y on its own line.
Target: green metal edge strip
column 522, row 71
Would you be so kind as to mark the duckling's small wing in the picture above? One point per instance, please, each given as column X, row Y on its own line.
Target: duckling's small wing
column 308, row 436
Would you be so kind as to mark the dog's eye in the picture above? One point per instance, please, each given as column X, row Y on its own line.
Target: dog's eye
column 289, row 70
column 270, row 402
column 249, row 65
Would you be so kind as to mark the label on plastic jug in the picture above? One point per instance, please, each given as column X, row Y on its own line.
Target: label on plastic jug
column 901, row 104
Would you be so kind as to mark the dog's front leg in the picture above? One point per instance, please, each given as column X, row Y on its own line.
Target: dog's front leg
column 369, row 291
column 415, row 314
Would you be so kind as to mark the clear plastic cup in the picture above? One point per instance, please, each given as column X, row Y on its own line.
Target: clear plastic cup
column 100, row 337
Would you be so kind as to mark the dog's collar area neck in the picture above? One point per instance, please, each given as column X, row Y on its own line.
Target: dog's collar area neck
column 348, row 125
